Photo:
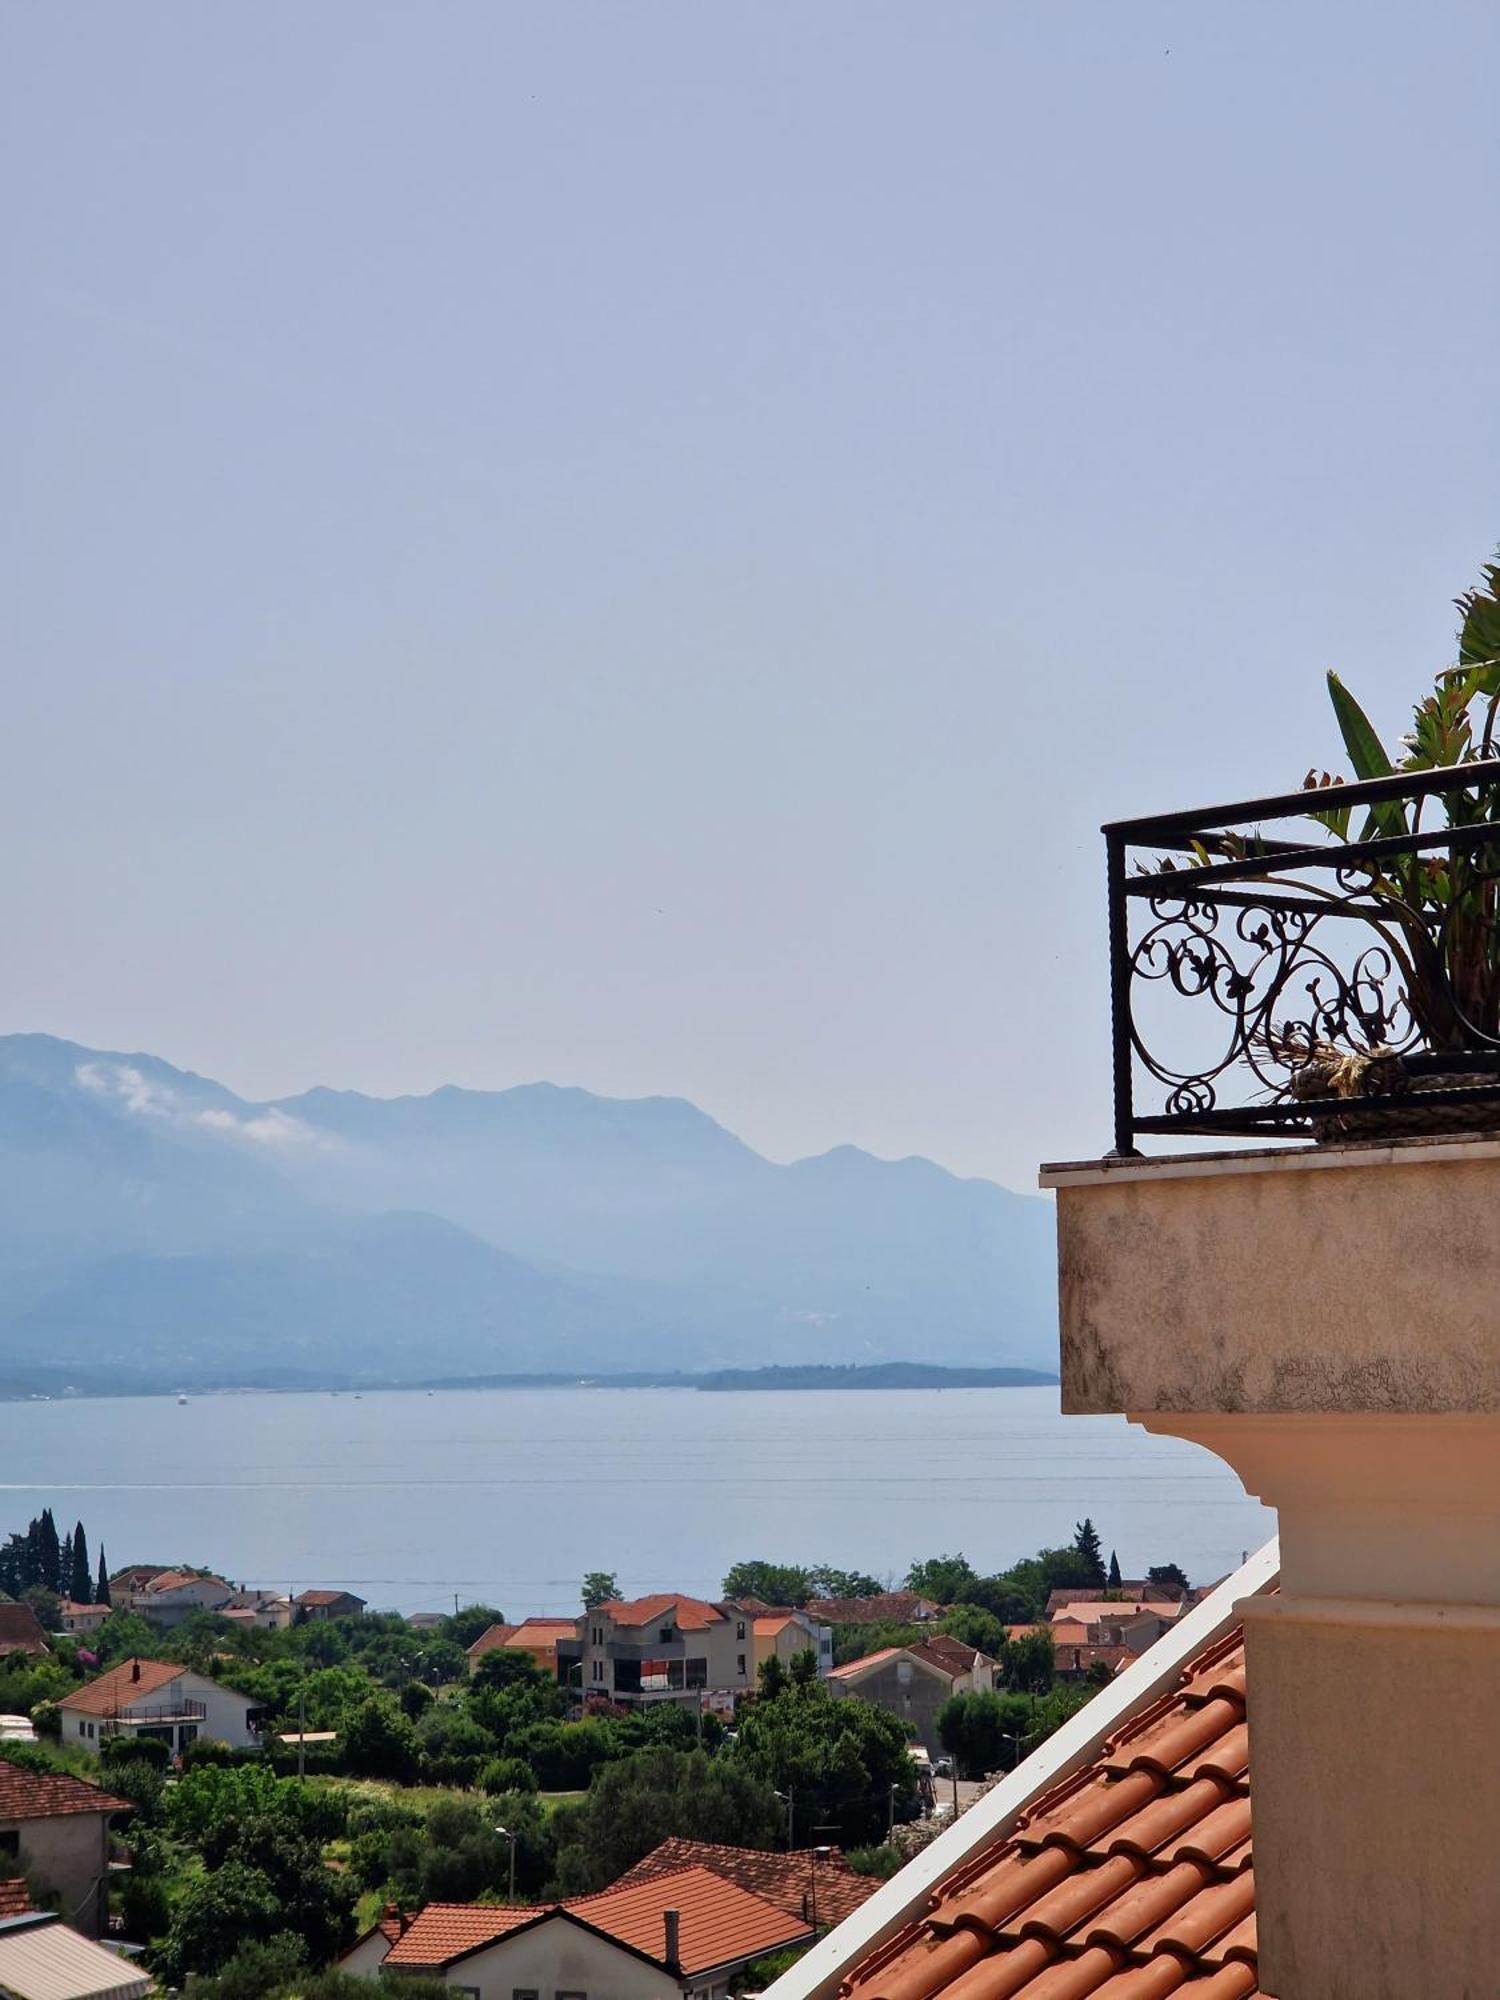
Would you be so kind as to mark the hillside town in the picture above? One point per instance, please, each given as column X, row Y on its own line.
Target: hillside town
column 701, row 1786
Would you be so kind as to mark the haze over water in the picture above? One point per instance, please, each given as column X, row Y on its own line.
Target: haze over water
column 508, row 1496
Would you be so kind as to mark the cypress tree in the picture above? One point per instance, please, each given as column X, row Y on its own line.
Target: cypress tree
column 1114, row 1570
column 1086, row 1541
column 101, row 1588
column 49, row 1553
column 80, row 1581
column 65, row 1563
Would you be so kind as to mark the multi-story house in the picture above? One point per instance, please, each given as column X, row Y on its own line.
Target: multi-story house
column 782, row 1635
column 666, row 1648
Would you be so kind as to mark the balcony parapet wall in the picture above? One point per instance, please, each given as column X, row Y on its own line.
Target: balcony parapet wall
column 1358, row 1279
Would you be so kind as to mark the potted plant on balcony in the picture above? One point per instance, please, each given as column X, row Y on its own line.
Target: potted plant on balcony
column 1439, row 907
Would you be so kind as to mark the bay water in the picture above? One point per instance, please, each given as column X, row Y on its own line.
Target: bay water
column 506, row 1496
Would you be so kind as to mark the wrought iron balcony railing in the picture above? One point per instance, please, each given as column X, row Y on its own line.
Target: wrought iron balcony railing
column 1244, row 964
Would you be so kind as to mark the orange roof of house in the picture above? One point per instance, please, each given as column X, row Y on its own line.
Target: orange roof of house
column 15, row 1900
column 784, row 1880
column 691, row 1613
column 50, row 1795
column 445, row 1931
column 720, row 1923
column 491, row 1637
column 326, row 1597
column 1100, row 1611
column 768, row 1627
column 121, row 1686
column 21, row 1630
column 891, row 1607
column 1131, row 1879
column 178, row 1579
column 852, row 1667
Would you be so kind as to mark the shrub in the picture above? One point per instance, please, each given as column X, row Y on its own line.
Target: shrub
column 150, row 1750
column 507, row 1774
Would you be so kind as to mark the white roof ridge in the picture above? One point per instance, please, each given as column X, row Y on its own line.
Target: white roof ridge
column 907, row 1895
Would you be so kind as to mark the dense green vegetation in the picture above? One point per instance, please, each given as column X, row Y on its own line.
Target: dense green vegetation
column 248, row 1879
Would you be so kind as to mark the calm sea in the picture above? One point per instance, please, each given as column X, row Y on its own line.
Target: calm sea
column 510, row 1495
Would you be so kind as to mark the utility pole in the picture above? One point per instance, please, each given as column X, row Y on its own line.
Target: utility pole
column 890, row 1818
column 301, row 1731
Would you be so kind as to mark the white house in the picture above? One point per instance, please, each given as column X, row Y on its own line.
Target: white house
column 157, row 1699
column 683, row 1933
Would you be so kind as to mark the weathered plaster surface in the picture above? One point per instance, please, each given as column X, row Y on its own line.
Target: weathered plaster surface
column 1368, row 1286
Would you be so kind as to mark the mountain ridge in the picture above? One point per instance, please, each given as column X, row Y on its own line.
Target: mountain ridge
column 145, row 1209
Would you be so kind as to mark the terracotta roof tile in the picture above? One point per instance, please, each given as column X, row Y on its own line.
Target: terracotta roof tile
column 20, row 1630
column 491, row 1637
column 129, row 1682
column 1131, row 1880
column 719, row 1922
column 15, row 1900
column 444, row 1931
column 50, row 1794
column 892, row 1607
column 784, row 1880
column 691, row 1614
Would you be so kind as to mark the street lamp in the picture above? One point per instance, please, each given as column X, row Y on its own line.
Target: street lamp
column 506, row 1834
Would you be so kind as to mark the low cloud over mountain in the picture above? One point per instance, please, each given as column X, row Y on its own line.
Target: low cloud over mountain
column 150, row 1219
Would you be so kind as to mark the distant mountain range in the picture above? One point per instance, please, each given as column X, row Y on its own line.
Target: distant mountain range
column 151, row 1220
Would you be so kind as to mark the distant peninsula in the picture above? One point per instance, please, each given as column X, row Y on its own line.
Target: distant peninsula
column 876, row 1375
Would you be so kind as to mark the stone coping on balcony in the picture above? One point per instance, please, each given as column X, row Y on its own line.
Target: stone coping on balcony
column 1362, row 1278
column 1266, row 1160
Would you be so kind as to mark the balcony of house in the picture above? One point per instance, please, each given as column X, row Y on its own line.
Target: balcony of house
column 144, row 1715
column 659, row 1675
column 1289, row 1256
column 1309, row 983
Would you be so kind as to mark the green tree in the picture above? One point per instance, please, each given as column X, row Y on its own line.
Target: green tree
column 1086, row 1542
column 772, row 1677
column 1169, row 1574
column 599, row 1587
column 772, row 1583
column 827, row 1582
column 465, row 1626
column 1028, row 1662
column 1114, row 1570
column 945, row 1579
column 80, row 1581
column 984, row 1731
column 218, row 1914
column 976, row 1627
column 101, row 1586
column 380, row 1742
column 638, row 1802
column 836, row 1757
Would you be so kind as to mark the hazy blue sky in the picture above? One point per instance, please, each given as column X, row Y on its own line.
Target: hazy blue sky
column 636, row 544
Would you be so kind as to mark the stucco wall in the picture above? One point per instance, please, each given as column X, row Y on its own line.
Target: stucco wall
column 1349, row 1279
column 556, row 1958
column 67, row 1856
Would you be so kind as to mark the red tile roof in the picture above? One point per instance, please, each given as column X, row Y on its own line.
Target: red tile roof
column 1128, row 1881
column 720, row 1923
column 122, row 1686
column 50, row 1795
column 853, row 1667
column 314, row 1597
column 491, row 1637
column 951, row 1653
column 15, row 1901
column 690, row 1613
column 443, row 1932
column 892, row 1607
column 20, row 1630
column 784, row 1880
column 179, row 1579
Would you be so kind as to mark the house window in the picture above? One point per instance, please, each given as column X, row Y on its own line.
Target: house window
column 10, row 1842
column 697, row 1673
column 741, row 1659
column 524, row 1993
column 664, row 1637
column 571, row 1996
column 739, row 1630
